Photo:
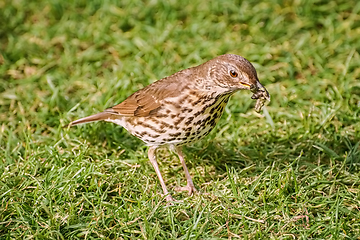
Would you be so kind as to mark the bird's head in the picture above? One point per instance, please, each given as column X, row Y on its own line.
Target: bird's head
column 232, row 73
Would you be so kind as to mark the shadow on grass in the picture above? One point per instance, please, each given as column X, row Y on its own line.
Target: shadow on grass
column 264, row 152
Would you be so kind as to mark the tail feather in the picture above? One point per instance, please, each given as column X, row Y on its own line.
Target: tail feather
column 92, row 118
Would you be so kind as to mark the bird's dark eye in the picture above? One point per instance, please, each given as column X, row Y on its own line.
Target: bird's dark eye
column 233, row 73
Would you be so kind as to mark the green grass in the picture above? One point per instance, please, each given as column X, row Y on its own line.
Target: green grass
column 291, row 174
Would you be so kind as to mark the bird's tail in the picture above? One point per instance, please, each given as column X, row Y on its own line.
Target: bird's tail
column 92, row 118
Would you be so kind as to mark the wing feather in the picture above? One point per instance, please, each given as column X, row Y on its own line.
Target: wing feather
column 147, row 101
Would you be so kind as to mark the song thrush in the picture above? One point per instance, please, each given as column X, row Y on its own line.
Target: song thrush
column 183, row 107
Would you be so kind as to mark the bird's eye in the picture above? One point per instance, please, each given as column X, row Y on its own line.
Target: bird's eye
column 233, row 73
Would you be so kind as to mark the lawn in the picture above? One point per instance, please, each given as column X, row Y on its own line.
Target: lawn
column 290, row 172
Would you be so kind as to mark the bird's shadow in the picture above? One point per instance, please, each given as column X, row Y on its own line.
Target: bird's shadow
column 219, row 157
column 267, row 151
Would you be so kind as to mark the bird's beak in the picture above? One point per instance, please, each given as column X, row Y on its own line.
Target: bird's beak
column 246, row 85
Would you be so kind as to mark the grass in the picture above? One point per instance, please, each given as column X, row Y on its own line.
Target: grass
column 293, row 173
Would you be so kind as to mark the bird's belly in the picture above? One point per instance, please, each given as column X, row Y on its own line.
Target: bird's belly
column 176, row 129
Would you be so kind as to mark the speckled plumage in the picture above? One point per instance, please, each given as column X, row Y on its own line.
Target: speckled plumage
column 183, row 107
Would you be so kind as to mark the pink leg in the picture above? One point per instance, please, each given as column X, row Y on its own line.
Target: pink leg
column 190, row 185
column 152, row 158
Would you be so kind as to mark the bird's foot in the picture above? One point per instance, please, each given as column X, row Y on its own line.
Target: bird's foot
column 189, row 187
column 170, row 200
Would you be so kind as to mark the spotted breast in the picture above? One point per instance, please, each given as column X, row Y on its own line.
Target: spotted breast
column 181, row 120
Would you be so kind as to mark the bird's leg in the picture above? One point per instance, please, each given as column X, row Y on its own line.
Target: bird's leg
column 190, row 185
column 152, row 158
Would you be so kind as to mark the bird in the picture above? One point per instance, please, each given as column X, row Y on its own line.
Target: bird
column 183, row 108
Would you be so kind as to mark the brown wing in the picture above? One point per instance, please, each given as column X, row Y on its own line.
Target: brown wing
column 147, row 101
